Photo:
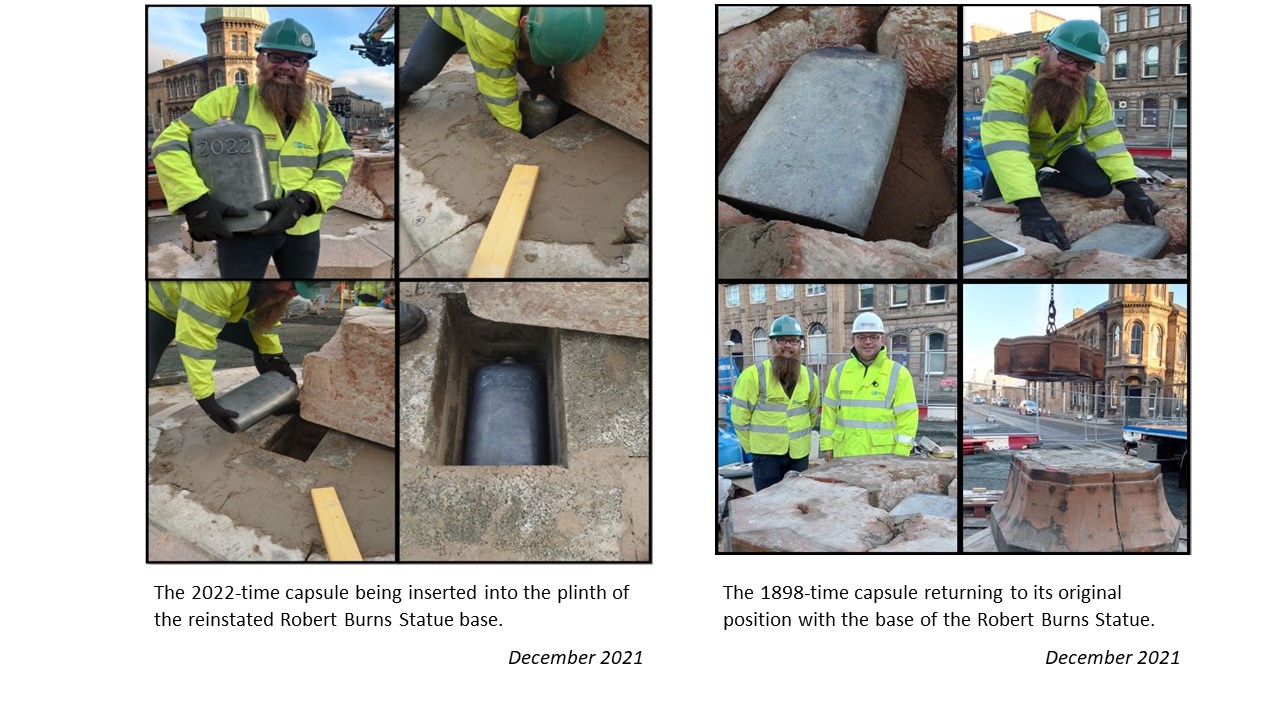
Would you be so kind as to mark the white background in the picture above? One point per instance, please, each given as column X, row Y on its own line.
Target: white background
column 78, row 599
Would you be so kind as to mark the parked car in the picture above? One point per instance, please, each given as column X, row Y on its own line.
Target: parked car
column 1002, row 402
column 1028, row 407
column 979, row 400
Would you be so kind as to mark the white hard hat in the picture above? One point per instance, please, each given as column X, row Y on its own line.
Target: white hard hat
column 867, row 322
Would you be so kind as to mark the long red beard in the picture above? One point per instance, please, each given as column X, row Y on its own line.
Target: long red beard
column 1050, row 92
column 269, row 308
column 283, row 99
column 786, row 370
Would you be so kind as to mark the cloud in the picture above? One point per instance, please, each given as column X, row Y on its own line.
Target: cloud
column 373, row 82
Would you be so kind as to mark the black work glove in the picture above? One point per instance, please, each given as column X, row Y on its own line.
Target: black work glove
column 218, row 414
column 1039, row 224
column 278, row 363
column 204, row 218
column 285, row 211
column 1137, row 205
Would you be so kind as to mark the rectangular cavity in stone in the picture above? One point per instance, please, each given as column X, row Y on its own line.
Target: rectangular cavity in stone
column 817, row 151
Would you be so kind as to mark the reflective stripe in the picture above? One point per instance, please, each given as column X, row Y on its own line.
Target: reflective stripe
column 326, row 157
column 323, row 112
column 1006, row 145
column 866, row 424
column 1090, row 94
column 505, row 72
column 760, row 375
column 769, row 429
column 1005, row 116
column 165, row 300
column 273, row 155
column 1096, row 130
column 1020, row 74
column 860, row 403
column 171, row 146
column 798, row 434
column 814, row 390
column 798, row 411
column 905, row 407
column 302, row 161
column 770, row 407
column 207, row 317
column 830, row 403
column 241, row 113
column 333, row 175
column 494, row 100
column 905, row 439
column 893, row 384
column 196, row 353
column 1109, row 150
column 194, row 121
column 485, row 17
column 741, row 403
column 825, row 433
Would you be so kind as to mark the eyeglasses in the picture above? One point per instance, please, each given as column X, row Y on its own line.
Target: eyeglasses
column 1084, row 65
column 788, row 340
column 277, row 59
column 866, row 337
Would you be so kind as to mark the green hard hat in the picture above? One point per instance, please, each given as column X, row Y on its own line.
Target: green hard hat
column 287, row 34
column 785, row 326
column 306, row 289
column 559, row 35
column 1085, row 38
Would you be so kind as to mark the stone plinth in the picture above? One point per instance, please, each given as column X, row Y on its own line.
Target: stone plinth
column 1079, row 501
column 801, row 514
column 350, row 383
column 888, row 479
column 612, row 82
column 371, row 188
column 609, row 308
column 1047, row 357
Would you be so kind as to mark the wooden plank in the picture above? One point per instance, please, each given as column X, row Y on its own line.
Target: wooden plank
column 498, row 247
column 339, row 543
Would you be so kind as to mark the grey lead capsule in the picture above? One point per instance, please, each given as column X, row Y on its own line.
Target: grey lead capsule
column 817, row 151
column 231, row 159
column 507, row 418
column 258, row 398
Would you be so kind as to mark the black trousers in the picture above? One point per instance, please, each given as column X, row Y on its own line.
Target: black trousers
column 245, row 256
column 767, row 470
column 1077, row 172
column 430, row 51
column 160, row 332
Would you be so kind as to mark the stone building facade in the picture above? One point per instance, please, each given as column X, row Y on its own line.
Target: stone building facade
column 1146, row 72
column 231, row 33
column 921, row 325
column 1143, row 336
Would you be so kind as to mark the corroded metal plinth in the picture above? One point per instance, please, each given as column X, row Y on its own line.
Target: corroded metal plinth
column 1047, row 357
column 1078, row 501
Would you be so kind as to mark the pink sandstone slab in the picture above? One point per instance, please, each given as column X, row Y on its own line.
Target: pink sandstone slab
column 350, row 383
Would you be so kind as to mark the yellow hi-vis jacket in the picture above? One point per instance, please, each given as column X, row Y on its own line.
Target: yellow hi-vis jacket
column 492, row 35
column 766, row 420
column 200, row 310
column 869, row 410
column 1017, row 146
column 314, row 157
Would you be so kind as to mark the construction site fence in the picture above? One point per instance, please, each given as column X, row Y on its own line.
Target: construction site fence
column 933, row 373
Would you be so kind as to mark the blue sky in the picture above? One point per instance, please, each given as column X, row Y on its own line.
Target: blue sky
column 174, row 33
column 992, row 312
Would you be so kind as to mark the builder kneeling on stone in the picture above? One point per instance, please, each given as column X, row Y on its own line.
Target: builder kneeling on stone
column 501, row 41
column 201, row 314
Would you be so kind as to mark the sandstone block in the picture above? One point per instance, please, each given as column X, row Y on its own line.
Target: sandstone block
column 612, row 82
column 371, row 188
column 350, row 383
column 780, row 249
column 612, row 308
column 805, row 515
column 888, row 479
column 924, row 38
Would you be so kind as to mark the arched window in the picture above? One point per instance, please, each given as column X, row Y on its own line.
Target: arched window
column 759, row 345
column 1093, row 338
column 219, row 79
column 1182, row 349
column 898, row 348
column 1183, row 58
column 735, row 337
column 1120, row 64
column 242, row 78
column 1135, row 340
column 817, row 344
column 936, row 357
column 1155, row 406
column 1151, row 61
column 1115, row 341
column 1157, row 344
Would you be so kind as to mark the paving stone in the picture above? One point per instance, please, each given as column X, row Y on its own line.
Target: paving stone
column 350, row 383
column 1133, row 239
column 925, row 504
column 810, row 158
